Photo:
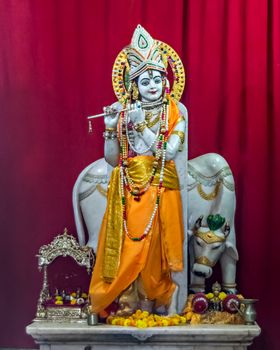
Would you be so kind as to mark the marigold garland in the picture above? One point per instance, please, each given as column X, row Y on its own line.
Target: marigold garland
column 143, row 319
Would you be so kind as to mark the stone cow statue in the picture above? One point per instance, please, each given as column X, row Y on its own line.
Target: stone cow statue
column 208, row 245
column 210, row 190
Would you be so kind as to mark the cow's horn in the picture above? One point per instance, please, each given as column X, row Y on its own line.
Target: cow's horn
column 198, row 222
column 226, row 229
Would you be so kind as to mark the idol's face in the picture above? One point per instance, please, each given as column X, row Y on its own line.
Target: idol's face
column 150, row 86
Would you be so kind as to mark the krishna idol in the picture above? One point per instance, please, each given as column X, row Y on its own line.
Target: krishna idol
column 140, row 260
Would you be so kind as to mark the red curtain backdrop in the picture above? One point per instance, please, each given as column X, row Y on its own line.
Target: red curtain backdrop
column 55, row 69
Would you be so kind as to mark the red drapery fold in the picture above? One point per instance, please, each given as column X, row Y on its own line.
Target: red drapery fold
column 55, row 69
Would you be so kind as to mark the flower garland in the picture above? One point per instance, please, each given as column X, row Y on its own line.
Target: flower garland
column 143, row 319
column 126, row 181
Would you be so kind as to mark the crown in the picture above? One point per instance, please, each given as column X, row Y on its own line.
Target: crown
column 143, row 53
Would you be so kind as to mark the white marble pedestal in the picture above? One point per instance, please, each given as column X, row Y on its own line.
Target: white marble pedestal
column 80, row 336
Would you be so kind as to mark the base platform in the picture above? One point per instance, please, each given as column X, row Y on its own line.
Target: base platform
column 80, row 336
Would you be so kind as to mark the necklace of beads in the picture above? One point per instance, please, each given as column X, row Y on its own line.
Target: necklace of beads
column 152, row 105
column 126, row 181
column 133, row 189
column 131, row 141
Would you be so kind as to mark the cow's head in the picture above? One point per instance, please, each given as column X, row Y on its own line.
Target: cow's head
column 209, row 243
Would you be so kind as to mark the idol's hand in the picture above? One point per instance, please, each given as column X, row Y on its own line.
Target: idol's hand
column 135, row 113
column 112, row 117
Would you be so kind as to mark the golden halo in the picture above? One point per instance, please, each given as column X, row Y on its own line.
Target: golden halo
column 120, row 74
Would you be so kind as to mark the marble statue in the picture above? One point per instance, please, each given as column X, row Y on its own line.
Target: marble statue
column 147, row 190
column 209, row 244
column 142, row 234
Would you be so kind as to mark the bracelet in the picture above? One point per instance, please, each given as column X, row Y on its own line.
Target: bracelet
column 110, row 129
column 139, row 127
column 181, row 118
column 180, row 134
column 110, row 135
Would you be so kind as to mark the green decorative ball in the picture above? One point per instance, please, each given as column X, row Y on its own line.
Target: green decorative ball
column 215, row 221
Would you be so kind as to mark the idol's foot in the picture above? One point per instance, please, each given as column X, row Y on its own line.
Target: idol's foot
column 145, row 304
column 161, row 310
column 128, row 301
column 125, row 309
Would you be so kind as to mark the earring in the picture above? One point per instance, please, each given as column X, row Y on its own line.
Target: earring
column 167, row 86
column 135, row 91
column 163, row 86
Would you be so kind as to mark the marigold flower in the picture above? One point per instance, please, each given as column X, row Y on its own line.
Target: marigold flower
column 58, row 302
column 187, row 309
column 119, row 321
column 188, row 306
column 174, row 321
column 159, row 322
column 183, row 319
column 137, row 313
column 189, row 315
column 222, row 295
column 73, row 302
column 141, row 324
column 114, row 321
column 165, row 322
column 209, row 295
column 152, row 323
column 127, row 322
column 195, row 319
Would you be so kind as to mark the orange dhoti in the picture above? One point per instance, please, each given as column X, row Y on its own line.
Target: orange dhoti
column 151, row 259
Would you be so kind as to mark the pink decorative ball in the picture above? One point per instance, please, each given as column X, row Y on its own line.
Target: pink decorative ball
column 231, row 303
column 199, row 303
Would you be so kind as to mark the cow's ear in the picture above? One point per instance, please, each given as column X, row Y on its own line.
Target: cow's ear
column 231, row 250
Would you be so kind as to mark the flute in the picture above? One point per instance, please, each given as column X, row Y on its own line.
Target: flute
column 109, row 112
column 104, row 114
column 90, row 117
